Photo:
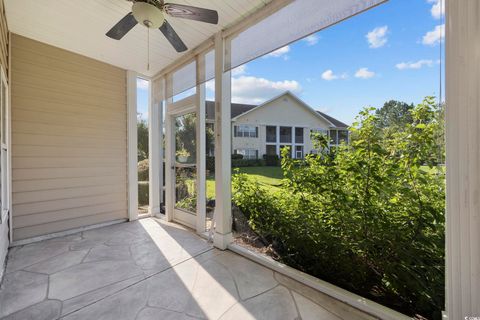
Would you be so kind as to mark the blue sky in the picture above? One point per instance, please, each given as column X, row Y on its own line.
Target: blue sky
column 389, row 52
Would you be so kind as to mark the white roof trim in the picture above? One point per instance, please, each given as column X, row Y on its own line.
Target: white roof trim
column 300, row 101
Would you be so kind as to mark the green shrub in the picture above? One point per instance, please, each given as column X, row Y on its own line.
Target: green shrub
column 210, row 164
column 238, row 163
column 142, row 168
column 237, row 156
column 369, row 218
column 271, row 160
column 143, row 193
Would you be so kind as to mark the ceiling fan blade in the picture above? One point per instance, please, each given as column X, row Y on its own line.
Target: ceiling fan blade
column 192, row 13
column 173, row 37
column 122, row 27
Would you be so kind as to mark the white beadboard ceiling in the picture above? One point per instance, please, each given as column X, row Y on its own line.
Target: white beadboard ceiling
column 80, row 26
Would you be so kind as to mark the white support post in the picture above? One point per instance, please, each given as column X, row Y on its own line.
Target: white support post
column 154, row 160
column 277, row 128
column 132, row 145
column 463, row 165
column 169, row 152
column 201, row 146
column 223, row 144
column 161, row 151
column 9, row 136
column 292, row 148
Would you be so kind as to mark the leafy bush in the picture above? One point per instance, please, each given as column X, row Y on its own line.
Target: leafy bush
column 142, row 133
column 210, row 164
column 142, row 169
column 238, row 163
column 369, row 218
column 271, row 160
column 237, row 156
column 143, row 193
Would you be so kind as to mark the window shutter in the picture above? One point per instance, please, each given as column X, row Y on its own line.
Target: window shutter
column 256, row 134
column 235, row 131
column 256, row 151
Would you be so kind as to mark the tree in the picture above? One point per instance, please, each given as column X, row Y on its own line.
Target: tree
column 369, row 217
column 394, row 114
column 210, row 138
column 185, row 134
column 142, row 132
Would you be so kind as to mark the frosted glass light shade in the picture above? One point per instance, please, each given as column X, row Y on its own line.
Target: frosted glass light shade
column 148, row 15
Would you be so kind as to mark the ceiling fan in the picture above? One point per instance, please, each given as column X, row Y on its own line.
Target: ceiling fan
column 151, row 14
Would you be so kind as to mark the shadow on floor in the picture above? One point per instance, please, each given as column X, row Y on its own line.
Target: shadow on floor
column 151, row 269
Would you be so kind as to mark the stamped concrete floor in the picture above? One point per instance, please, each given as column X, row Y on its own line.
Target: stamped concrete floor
column 150, row 269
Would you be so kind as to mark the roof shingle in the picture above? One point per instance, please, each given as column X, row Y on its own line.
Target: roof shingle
column 239, row 108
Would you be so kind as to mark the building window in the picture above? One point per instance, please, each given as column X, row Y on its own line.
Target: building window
column 271, row 150
column 286, row 134
column 271, row 134
column 249, row 154
column 298, row 135
column 319, row 131
column 299, row 152
column 245, row 131
column 342, row 136
column 338, row 136
column 333, row 137
column 289, row 148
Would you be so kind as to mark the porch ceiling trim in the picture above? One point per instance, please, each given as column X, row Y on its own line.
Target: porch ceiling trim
column 277, row 24
column 228, row 32
column 80, row 27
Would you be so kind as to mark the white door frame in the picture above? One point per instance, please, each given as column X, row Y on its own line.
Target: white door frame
column 179, row 108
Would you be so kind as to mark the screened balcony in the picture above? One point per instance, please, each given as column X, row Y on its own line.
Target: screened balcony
column 72, row 243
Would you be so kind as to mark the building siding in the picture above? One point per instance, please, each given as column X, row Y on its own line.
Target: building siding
column 69, row 140
column 4, row 52
column 3, row 38
column 283, row 111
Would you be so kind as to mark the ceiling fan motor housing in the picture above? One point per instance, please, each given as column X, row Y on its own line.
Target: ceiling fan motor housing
column 148, row 15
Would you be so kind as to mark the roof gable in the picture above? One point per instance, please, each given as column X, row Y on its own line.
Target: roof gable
column 295, row 98
column 239, row 110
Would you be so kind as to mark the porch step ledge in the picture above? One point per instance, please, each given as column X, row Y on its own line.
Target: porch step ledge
column 352, row 299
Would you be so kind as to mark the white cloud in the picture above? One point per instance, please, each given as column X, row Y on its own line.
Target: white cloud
column 253, row 90
column 279, row 52
column 435, row 36
column 377, row 37
column 329, row 75
column 438, row 8
column 142, row 84
column 240, row 70
column 311, row 40
column 414, row 65
column 364, row 73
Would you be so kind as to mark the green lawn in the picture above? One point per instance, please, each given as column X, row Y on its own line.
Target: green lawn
column 270, row 177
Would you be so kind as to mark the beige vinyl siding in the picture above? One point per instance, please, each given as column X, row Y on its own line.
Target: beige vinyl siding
column 69, row 140
column 3, row 38
column 4, row 49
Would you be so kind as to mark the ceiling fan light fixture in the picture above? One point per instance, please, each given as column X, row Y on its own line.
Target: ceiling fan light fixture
column 148, row 15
